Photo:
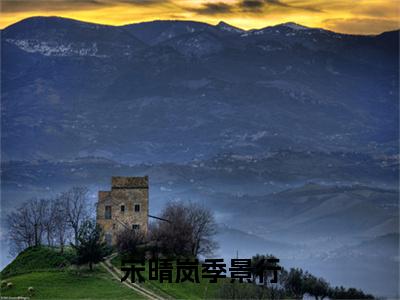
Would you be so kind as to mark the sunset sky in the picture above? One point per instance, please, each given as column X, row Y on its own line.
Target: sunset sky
column 348, row 16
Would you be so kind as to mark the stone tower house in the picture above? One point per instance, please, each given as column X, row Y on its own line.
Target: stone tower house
column 125, row 206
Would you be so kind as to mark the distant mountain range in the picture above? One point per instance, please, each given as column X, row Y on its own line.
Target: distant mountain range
column 178, row 90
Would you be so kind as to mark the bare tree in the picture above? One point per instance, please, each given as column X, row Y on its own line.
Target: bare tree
column 48, row 220
column 21, row 233
column 76, row 207
column 26, row 225
column 52, row 219
column 128, row 240
column 60, row 224
column 174, row 236
column 203, row 229
column 36, row 212
column 189, row 231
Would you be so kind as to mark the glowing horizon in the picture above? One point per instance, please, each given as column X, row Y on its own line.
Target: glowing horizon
column 360, row 17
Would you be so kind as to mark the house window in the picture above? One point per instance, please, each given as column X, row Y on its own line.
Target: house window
column 135, row 226
column 122, row 208
column 108, row 212
column 137, row 207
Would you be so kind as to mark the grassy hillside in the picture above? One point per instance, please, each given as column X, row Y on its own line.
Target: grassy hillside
column 68, row 285
column 52, row 277
column 183, row 290
column 38, row 259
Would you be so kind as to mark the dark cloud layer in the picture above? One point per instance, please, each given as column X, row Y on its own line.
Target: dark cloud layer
column 10, row 6
column 276, row 2
column 214, row 9
column 15, row 6
column 253, row 6
column 251, row 3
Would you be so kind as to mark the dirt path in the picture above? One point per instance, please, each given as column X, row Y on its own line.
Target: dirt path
column 117, row 274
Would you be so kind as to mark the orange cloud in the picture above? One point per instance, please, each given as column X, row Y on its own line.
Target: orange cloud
column 360, row 26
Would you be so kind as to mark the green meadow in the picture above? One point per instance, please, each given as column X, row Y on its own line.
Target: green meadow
column 52, row 276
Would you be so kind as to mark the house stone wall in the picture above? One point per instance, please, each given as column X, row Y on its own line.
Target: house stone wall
column 126, row 191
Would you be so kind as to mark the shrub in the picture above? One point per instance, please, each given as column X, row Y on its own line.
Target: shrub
column 90, row 249
column 130, row 244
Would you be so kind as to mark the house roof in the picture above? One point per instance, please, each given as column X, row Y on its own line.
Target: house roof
column 120, row 182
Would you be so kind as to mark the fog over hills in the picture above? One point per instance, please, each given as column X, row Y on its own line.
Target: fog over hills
column 289, row 133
